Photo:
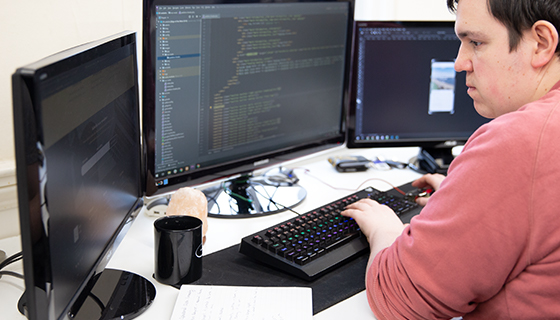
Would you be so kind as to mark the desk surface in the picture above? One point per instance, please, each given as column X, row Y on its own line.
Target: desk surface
column 136, row 251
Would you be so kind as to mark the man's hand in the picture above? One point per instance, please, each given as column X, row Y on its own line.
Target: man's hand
column 378, row 222
column 430, row 180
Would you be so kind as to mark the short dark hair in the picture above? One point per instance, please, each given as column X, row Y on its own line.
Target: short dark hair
column 520, row 15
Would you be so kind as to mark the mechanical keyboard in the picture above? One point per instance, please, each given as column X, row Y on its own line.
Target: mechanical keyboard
column 314, row 243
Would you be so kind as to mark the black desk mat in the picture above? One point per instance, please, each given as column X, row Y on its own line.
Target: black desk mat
column 229, row 267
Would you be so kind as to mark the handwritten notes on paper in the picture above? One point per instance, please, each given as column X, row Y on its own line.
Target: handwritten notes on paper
column 198, row 302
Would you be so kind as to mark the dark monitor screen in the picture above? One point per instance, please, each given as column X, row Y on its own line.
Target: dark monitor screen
column 78, row 156
column 405, row 91
column 233, row 86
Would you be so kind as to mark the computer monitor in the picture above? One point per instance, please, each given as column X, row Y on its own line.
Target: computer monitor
column 405, row 91
column 79, row 173
column 233, row 86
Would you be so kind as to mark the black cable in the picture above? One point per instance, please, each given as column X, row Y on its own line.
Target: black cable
column 214, row 197
column 10, row 273
column 8, row 261
column 268, row 196
column 276, row 203
column 97, row 301
column 285, row 207
column 11, row 259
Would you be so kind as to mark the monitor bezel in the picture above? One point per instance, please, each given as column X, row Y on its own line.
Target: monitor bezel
column 236, row 167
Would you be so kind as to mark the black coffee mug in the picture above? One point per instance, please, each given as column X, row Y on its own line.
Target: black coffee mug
column 178, row 249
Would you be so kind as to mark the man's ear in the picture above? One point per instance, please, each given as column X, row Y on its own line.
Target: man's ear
column 545, row 36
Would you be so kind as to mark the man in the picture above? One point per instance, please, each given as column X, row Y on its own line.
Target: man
column 487, row 243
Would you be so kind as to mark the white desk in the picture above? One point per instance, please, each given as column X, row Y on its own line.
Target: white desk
column 136, row 252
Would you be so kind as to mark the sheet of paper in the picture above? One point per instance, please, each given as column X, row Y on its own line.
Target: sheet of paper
column 198, row 302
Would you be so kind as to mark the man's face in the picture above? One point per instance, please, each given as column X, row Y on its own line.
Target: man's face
column 499, row 81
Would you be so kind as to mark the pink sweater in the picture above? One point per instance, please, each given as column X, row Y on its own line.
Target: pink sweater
column 487, row 245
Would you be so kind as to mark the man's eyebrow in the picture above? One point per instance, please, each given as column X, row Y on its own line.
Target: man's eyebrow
column 470, row 34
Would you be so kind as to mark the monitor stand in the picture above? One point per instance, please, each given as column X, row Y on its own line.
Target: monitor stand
column 113, row 294
column 251, row 196
column 433, row 160
column 246, row 196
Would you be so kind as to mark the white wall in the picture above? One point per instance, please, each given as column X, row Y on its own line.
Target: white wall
column 33, row 29
column 402, row 10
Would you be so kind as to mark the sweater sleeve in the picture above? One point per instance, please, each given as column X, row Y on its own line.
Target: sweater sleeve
column 467, row 242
